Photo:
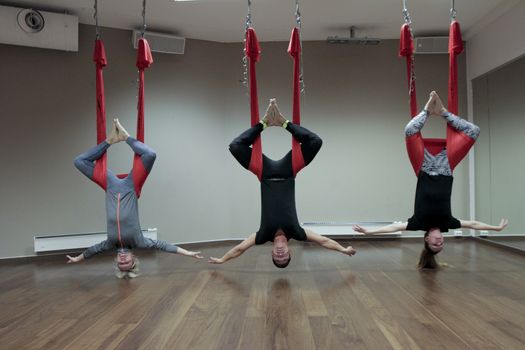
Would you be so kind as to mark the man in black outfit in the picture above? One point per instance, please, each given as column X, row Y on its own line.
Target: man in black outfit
column 279, row 221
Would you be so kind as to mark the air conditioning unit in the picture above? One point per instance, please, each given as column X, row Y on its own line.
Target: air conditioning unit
column 431, row 45
column 159, row 42
column 29, row 27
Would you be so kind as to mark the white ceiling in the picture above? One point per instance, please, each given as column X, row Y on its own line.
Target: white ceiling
column 223, row 20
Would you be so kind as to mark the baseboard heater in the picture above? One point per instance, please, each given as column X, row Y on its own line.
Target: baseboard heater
column 49, row 243
column 335, row 228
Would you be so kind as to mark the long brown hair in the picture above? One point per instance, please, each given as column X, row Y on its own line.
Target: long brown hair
column 427, row 259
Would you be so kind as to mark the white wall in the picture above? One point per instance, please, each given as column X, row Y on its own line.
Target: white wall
column 497, row 40
column 356, row 100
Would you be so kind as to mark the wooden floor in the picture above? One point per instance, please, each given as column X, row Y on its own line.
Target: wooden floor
column 324, row 300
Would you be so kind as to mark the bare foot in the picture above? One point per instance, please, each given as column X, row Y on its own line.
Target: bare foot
column 439, row 109
column 431, row 103
column 113, row 136
column 122, row 133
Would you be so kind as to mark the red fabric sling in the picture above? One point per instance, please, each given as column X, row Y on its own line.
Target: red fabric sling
column 406, row 49
column 144, row 60
column 457, row 143
column 253, row 53
column 294, row 49
column 99, row 57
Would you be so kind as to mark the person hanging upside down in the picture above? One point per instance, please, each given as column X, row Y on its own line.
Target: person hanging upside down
column 279, row 221
column 432, row 211
column 123, row 227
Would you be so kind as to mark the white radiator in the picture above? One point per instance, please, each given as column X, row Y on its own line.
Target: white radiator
column 77, row 240
column 329, row 228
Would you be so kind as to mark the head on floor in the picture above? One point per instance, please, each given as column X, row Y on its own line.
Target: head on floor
column 126, row 264
column 280, row 251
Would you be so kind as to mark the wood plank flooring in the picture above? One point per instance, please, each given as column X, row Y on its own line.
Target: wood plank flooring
column 323, row 300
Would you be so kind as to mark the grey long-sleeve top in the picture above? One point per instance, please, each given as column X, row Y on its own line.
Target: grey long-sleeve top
column 122, row 213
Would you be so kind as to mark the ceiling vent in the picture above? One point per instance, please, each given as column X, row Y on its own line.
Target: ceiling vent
column 29, row 27
column 159, row 42
column 431, row 45
column 353, row 39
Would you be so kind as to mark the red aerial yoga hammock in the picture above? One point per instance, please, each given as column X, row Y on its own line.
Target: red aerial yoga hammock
column 144, row 60
column 457, row 143
column 253, row 52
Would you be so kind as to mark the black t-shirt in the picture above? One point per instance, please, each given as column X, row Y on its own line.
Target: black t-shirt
column 432, row 204
column 278, row 201
column 278, row 183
